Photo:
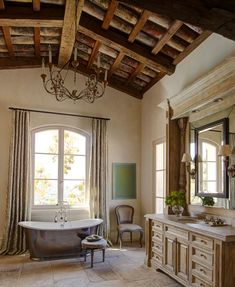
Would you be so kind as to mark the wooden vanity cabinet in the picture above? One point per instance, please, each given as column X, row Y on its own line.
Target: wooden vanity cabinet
column 192, row 258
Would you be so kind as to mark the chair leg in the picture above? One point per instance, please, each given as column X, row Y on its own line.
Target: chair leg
column 131, row 236
column 141, row 236
column 117, row 237
column 103, row 250
column 120, row 239
column 92, row 257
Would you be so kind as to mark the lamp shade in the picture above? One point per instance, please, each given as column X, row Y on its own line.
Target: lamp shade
column 186, row 158
column 225, row 150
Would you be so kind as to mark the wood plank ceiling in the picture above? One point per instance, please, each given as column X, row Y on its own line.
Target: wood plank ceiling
column 137, row 46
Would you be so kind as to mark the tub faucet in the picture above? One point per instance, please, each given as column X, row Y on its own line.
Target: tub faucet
column 61, row 214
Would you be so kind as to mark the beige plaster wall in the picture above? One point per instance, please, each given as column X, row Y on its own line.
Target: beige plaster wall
column 23, row 88
column 200, row 61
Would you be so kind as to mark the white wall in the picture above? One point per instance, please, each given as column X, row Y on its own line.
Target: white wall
column 23, row 88
column 201, row 60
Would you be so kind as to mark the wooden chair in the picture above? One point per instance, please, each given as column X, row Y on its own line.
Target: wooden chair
column 124, row 215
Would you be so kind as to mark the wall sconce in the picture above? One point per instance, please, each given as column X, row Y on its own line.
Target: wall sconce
column 226, row 151
column 187, row 159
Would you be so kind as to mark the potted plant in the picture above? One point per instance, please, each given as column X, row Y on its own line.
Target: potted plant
column 207, row 200
column 177, row 201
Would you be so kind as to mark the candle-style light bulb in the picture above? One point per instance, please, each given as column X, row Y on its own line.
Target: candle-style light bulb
column 50, row 54
column 106, row 75
column 98, row 60
column 43, row 65
column 75, row 54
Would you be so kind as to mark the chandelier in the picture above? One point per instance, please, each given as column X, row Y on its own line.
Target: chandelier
column 54, row 82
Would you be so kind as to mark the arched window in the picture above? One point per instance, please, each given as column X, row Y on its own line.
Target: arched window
column 60, row 167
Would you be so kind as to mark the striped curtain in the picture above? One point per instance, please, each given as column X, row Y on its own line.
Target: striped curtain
column 98, row 173
column 18, row 187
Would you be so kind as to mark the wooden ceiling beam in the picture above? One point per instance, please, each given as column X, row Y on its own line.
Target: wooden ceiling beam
column 37, row 41
column 2, row 6
column 192, row 46
column 93, row 54
column 19, row 63
column 109, row 14
column 167, row 36
column 111, row 38
column 136, row 72
column 7, row 37
column 213, row 15
column 36, row 5
column 139, row 25
column 24, row 16
column 153, row 82
column 115, row 64
column 73, row 10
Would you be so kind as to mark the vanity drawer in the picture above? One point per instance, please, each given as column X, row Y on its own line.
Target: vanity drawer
column 158, row 237
column 202, row 272
column 157, row 226
column 202, row 256
column 171, row 230
column 157, row 247
column 196, row 282
column 157, row 259
column 202, row 242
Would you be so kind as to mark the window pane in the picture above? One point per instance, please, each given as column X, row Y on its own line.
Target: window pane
column 209, row 187
column 74, row 143
column 209, row 170
column 45, row 192
column 46, row 141
column 160, row 183
column 159, row 156
column 208, row 152
column 46, row 166
column 159, row 205
column 74, row 192
column 74, row 167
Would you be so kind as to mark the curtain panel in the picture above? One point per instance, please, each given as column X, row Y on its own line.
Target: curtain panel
column 18, row 186
column 98, row 173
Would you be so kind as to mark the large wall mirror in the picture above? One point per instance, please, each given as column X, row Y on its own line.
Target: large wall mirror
column 211, row 176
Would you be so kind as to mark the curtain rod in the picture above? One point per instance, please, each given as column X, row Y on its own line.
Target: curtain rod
column 57, row 113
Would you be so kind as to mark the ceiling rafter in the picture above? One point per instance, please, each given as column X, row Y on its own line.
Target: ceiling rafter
column 23, row 16
column 136, row 72
column 19, row 63
column 7, row 37
column 72, row 14
column 91, row 28
column 115, row 64
column 109, row 14
column 167, row 36
column 153, row 82
column 93, row 54
column 139, row 25
column 213, row 15
column 192, row 46
column 37, row 41
column 2, row 6
column 36, row 5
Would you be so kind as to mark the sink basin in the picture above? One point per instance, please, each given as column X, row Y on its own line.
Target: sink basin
column 187, row 220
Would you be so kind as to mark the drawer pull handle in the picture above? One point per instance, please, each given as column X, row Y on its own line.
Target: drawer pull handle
column 202, row 285
column 203, row 241
column 204, row 256
column 202, row 270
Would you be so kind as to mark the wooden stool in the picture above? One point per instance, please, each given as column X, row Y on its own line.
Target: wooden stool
column 92, row 245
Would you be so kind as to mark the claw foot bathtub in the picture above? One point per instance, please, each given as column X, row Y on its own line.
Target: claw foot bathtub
column 50, row 240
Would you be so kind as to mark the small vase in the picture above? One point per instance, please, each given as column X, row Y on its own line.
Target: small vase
column 177, row 210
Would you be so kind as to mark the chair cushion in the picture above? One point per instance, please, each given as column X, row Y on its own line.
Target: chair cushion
column 102, row 243
column 129, row 227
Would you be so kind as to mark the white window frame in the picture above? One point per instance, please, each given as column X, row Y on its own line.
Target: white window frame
column 61, row 130
column 155, row 143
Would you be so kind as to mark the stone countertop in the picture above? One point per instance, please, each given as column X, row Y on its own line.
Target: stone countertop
column 225, row 233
